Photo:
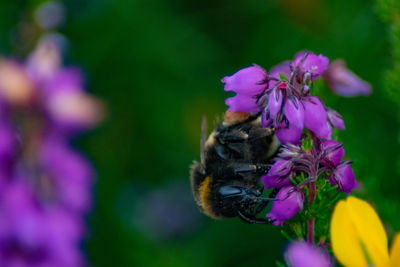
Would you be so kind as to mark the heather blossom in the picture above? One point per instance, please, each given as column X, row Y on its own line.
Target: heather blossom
column 285, row 104
column 325, row 157
column 309, row 163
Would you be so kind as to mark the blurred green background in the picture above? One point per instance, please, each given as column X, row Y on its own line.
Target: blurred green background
column 158, row 64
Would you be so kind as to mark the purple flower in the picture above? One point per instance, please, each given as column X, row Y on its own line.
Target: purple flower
column 335, row 119
column 335, row 156
column 278, row 175
column 275, row 103
column 343, row 176
column 247, row 83
column 16, row 88
column 289, row 202
column 242, row 103
column 45, row 61
column 344, row 82
column 302, row 254
column 315, row 117
column 288, row 133
column 294, row 112
column 68, row 171
column 31, row 235
column 68, row 106
column 309, row 63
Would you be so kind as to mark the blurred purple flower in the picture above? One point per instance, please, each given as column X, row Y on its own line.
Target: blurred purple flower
column 45, row 60
column 50, row 14
column 31, row 235
column 344, row 82
column 68, row 106
column 44, row 184
column 343, row 176
column 289, row 202
column 302, row 254
column 68, row 171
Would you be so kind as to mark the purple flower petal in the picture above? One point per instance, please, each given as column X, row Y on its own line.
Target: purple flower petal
column 275, row 102
column 343, row 176
column 275, row 181
column 288, row 133
column 311, row 63
column 294, row 112
column 289, row 202
column 242, row 103
column 283, row 68
column 302, row 254
column 280, row 168
column 335, row 119
column 315, row 118
column 344, row 82
column 266, row 119
column 248, row 81
column 336, row 155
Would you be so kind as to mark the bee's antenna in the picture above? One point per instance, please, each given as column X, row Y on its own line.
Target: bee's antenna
column 203, row 139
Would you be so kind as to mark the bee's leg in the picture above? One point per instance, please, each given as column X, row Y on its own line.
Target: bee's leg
column 264, row 201
column 252, row 220
column 251, row 168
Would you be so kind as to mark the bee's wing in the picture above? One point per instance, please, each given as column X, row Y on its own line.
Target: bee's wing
column 203, row 139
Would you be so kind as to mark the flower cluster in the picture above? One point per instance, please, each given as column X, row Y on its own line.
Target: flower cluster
column 44, row 183
column 284, row 101
column 283, row 97
column 324, row 160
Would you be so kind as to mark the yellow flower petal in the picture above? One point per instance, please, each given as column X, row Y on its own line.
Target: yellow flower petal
column 370, row 230
column 345, row 241
column 395, row 252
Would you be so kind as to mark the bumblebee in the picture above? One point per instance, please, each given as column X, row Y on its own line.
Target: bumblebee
column 225, row 183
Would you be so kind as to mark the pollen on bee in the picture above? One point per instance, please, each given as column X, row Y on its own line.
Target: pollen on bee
column 234, row 117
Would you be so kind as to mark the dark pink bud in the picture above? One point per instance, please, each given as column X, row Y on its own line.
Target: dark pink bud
column 289, row 202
